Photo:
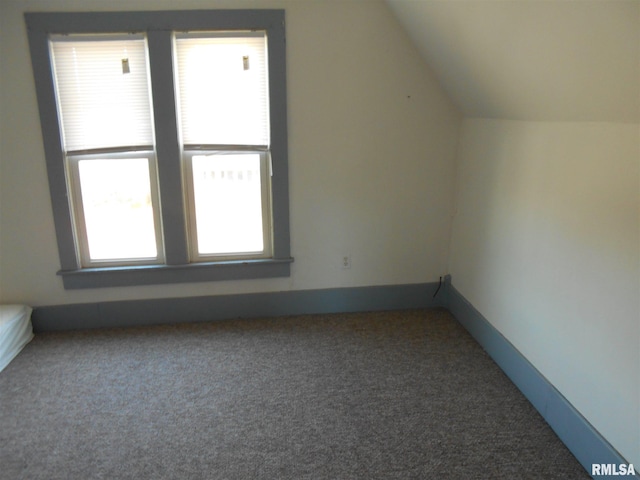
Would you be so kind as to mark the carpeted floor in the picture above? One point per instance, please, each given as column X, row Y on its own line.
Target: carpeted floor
column 386, row 395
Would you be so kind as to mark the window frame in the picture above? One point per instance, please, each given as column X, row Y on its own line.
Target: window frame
column 159, row 27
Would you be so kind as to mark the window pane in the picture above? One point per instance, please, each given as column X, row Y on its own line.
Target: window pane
column 102, row 86
column 228, row 203
column 118, row 214
column 222, row 89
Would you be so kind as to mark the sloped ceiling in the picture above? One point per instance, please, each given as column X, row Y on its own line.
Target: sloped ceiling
column 548, row 60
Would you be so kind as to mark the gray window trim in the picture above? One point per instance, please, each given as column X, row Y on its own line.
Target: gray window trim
column 158, row 25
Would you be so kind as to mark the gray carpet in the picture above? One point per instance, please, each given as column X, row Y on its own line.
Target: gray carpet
column 386, row 395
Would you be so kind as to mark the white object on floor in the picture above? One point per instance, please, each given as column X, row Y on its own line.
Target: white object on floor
column 15, row 331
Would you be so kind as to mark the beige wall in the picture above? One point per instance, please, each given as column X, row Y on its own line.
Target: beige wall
column 372, row 146
column 545, row 245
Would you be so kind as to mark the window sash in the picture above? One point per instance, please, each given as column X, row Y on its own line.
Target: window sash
column 222, row 87
column 80, row 210
column 103, row 90
column 265, row 206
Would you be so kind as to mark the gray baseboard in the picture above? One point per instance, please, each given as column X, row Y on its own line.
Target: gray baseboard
column 586, row 444
column 223, row 307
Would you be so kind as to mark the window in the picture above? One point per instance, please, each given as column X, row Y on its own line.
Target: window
column 166, row 145
column 104, row 109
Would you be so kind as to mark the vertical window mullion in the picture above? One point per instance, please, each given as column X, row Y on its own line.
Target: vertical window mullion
column 167, row 147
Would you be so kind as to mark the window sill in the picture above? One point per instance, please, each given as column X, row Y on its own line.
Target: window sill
column 127, row 276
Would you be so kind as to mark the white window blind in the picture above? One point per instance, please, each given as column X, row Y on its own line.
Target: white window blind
column 102, row 84
column 223, row 88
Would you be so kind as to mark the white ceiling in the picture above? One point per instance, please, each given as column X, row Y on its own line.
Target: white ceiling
column 550, row 60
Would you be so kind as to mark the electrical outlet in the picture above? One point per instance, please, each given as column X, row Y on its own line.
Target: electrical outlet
column 346, row 262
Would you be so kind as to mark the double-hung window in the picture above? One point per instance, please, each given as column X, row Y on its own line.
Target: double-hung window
column 223, row 112
column 165, row 140
column 102, row 94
